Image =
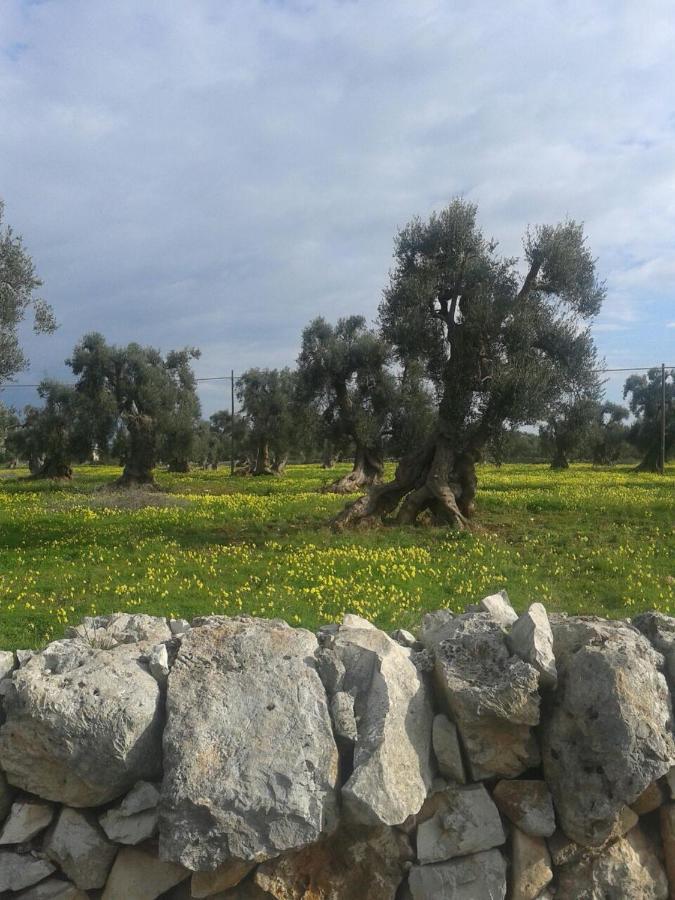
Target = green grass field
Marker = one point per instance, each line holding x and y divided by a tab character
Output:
582	541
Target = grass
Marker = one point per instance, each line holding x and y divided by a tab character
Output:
586	540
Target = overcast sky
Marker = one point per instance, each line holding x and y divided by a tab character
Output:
218	172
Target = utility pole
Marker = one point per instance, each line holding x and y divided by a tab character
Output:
232	422
663	418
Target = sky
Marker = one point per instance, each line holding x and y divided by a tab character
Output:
216	173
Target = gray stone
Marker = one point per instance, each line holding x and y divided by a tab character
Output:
478	877
527	804
250	762
106	632
531	869
23	656
446	747
179	626
466	822
498	606
670	781
393	713
21	870
6	796
135	819
206	884
340	867
650	799
405	638
158	663
531	639
342	716
607	732
140	875
26	819
628	869
80	848
660	632
53	889
491	695
83	725
7	663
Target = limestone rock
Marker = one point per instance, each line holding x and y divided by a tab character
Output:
628	868
80	848
342	716
82	724
205	884
135	819
447	750
7	663
6	795
650	799
466	822
531	639
353	863
405	638
139	874
667	821
53	889
498	606
26	819
106	632
530	866
178	626
660	632
527	804
21	870
250	762
392	706
491	695
158	663
478	877
607	732
670	781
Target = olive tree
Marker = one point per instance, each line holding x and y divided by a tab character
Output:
569	424
268	398
645	393
343	368
498	345
18	286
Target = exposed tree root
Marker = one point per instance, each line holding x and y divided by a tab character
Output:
367	471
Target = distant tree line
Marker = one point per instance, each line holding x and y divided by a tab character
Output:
472	352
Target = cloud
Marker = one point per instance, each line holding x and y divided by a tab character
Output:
217	174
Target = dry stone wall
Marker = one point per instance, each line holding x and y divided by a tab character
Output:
489	756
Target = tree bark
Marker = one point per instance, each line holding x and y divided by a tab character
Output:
367	471
178	465
140	460
651	461
328	456
437	479
279	464
263	463
560	460
55	468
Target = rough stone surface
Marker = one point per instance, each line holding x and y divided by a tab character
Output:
80	848
527	804
135	819
498	606
21	870
106	632
343	718
650	799
660	632
82	724
6	795
205	884
447	750
404	638
478	877
139	874
607	734
158	663
628	869
26	819
53	889
351	864
249	756
670	781
530	866
392	757
466	822
179	626
667	822
491	695
531	639
7	663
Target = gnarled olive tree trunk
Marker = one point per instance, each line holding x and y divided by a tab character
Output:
651	461
53	467
263	460
559	460
179	465
327	455
367	471
439	478
140	457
